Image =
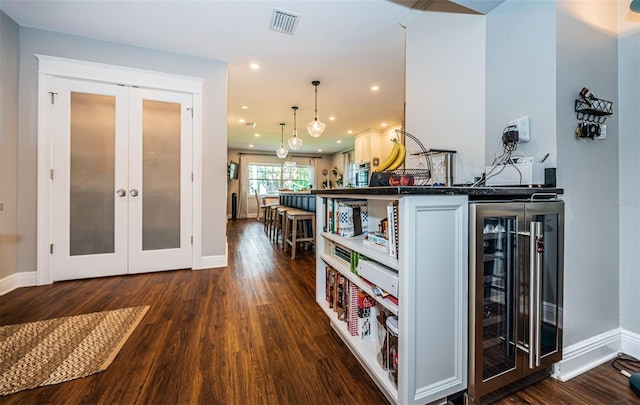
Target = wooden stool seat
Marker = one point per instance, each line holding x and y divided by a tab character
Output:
297	230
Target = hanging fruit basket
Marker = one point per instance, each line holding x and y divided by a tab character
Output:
419	176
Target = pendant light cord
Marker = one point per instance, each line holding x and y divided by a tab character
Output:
315	111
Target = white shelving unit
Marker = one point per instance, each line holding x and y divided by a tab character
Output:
432	301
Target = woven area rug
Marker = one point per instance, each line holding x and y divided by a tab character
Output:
56	350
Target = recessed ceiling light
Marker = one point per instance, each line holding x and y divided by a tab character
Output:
349	131
319	150
338	141
256	134
384	124
332	118
251	146
241	120
254	66
244	107
375	87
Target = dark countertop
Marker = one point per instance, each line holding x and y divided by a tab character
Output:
474	193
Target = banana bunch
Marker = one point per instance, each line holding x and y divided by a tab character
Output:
395	158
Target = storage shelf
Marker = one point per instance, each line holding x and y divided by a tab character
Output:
363	285
366	352
358	244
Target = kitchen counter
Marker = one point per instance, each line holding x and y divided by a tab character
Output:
474	193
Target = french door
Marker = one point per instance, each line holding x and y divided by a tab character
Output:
121	179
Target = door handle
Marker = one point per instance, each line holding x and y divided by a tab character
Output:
133	192
536	248
121	193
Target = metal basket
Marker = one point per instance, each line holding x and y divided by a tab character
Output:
421	177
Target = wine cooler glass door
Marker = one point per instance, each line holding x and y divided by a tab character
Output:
498	295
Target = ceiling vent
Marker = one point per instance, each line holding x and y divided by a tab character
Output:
284	21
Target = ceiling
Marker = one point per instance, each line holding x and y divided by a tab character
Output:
348	46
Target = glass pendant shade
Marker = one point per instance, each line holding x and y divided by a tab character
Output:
294	141
289	164
282	152
315	127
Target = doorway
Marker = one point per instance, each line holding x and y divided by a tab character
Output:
121	179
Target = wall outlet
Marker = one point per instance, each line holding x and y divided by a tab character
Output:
603	132
522	125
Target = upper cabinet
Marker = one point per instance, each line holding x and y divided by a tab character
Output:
367	147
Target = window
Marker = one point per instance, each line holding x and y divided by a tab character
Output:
269	178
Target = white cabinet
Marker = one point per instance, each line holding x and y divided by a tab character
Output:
433	292
368	146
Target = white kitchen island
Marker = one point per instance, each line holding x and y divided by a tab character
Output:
432	301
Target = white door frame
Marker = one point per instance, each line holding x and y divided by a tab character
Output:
51	67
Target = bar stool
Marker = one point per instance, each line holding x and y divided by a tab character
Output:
269	216
279	222
297	229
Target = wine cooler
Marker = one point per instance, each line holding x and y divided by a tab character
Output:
515	303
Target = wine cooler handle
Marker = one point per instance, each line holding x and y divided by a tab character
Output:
536	247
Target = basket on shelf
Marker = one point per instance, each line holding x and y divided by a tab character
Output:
412	177
593	110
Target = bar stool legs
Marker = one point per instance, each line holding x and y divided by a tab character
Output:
296	230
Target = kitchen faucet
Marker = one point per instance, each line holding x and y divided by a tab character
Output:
335	172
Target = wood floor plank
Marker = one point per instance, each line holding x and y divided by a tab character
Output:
250	333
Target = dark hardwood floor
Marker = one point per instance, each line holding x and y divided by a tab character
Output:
250	333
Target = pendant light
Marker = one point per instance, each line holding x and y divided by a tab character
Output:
294	141
315	127
282	152
289	164
635	6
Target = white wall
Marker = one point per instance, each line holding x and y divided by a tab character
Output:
214	128
445	92
9	66
628	109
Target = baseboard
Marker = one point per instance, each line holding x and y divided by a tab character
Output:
583	356
212	262
630	343
17	280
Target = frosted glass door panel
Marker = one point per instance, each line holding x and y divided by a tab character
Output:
92	162
160	175
160	180
89	216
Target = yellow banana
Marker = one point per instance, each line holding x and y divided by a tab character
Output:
390	159
399	160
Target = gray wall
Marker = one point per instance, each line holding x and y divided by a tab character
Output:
521	63
214	128
539	55
587	55
9	67
629	144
